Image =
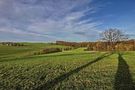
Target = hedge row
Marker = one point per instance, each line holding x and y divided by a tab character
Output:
48	50
12	44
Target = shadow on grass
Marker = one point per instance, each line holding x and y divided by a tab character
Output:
55	81
123	78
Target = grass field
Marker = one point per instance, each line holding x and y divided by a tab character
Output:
67	70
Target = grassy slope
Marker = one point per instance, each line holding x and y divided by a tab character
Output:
12	52
74	69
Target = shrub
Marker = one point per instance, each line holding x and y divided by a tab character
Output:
38	53
48	50
51	50
67	49
12	44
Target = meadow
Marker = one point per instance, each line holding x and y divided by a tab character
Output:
68	70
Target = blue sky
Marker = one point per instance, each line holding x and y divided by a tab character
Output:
70	20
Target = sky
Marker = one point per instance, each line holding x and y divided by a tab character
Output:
69	20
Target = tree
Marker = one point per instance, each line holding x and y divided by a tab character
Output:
112	36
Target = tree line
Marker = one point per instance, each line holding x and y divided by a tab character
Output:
11	44
101	45
110	40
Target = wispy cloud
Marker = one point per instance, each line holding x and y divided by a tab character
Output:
51	19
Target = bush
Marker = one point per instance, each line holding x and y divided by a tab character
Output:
51	50
37	53
48	50
67	49
12	44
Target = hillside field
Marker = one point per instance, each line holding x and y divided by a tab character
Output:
67	70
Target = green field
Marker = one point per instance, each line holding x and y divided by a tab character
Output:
68	70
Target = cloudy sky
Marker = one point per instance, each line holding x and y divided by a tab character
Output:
70	20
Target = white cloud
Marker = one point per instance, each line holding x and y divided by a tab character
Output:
48	18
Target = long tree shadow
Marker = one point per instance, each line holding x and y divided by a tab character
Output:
123	78
55	81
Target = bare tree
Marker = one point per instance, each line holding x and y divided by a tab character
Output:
112	36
